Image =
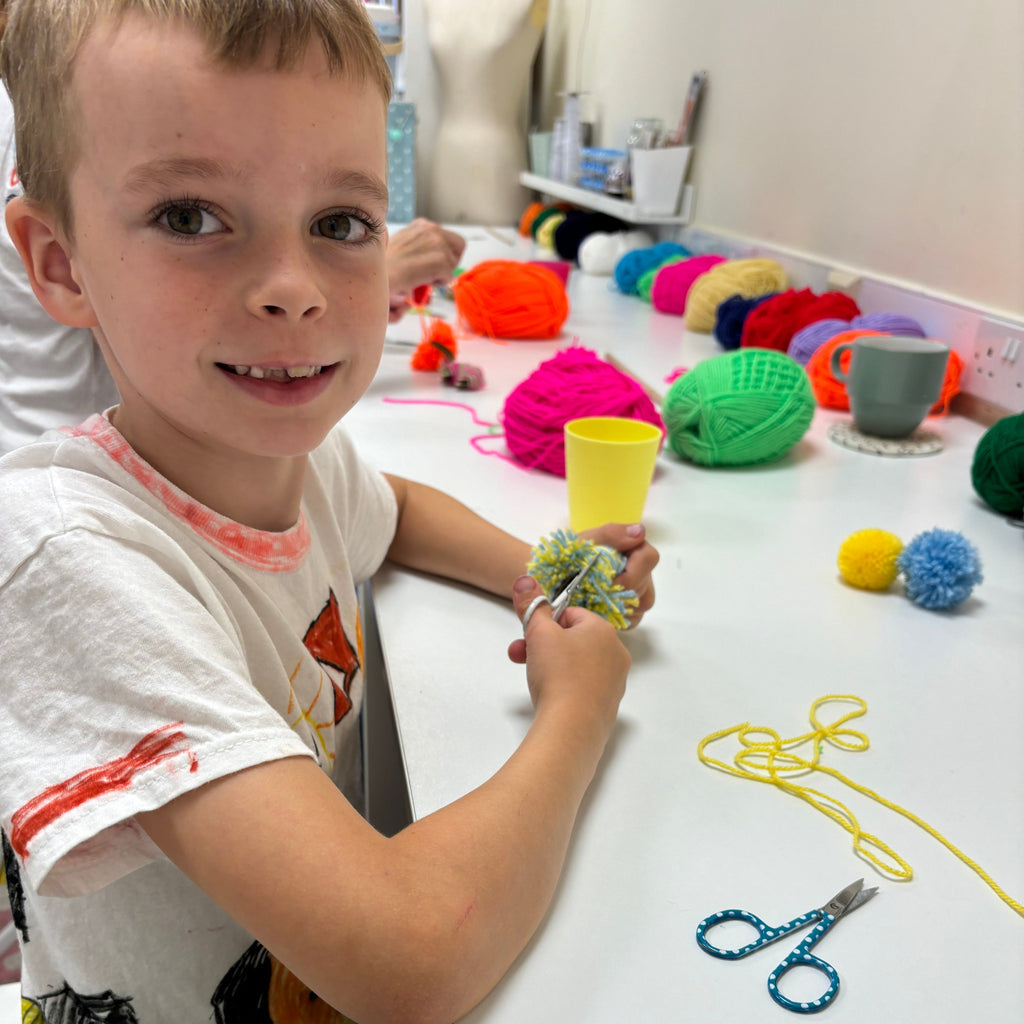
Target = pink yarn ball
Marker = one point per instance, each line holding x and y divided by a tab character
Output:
672	283
572	384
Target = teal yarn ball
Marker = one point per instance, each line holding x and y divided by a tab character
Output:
739	408
997	470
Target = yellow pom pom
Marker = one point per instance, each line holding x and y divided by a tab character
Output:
867	559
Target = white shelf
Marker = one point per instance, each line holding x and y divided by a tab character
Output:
621	208
382	13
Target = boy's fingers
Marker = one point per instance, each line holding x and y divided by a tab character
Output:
620	536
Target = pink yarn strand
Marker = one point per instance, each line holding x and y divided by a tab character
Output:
437	401
475	441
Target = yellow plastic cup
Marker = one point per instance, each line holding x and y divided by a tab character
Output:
609	462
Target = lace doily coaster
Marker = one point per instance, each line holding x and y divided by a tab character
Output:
920	442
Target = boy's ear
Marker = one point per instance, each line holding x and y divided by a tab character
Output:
46	253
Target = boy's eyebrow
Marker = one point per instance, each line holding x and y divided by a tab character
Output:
358	181
170	171
166	172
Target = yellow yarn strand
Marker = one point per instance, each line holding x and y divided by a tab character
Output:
765	757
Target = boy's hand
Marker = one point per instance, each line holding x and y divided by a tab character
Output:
641	558
579	658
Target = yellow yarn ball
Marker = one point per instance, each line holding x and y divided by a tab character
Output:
546	232
867	559
749	278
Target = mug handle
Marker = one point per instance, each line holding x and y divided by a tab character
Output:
837	370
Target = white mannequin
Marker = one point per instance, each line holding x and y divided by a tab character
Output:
483	51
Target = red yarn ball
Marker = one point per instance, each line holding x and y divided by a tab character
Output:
509	299
673	282
773	323
572	384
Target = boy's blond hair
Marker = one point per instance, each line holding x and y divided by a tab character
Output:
41	40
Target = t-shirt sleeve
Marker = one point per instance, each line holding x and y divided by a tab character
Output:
137	693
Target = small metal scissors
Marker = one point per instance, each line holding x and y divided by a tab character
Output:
850	898
564	595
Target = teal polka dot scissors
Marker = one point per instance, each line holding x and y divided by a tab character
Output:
853	896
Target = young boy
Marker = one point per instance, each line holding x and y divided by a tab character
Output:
205	190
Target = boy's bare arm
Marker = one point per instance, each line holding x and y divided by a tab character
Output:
420	926
439	535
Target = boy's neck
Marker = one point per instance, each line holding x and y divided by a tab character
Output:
261	493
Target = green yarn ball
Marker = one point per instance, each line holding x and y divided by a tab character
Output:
739	408
997	471
545	214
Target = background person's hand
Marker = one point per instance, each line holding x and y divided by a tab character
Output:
423	253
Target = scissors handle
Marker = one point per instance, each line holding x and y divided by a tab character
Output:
803	957
766	933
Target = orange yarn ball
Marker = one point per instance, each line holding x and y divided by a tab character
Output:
831	392
529	216
428	355
950	384
828	390
508	299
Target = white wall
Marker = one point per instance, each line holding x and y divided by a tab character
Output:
886	135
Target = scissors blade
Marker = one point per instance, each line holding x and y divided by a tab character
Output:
849	899
564	596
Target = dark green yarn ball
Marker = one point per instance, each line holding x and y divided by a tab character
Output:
997	471
739	408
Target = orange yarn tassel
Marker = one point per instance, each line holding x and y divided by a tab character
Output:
438	346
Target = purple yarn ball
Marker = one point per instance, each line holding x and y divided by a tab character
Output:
889	323
809	339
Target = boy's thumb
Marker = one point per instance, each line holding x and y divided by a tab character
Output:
527	598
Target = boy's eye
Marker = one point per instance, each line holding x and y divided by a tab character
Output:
190	220
341	228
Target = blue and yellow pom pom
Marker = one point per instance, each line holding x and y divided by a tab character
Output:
559	557
940	568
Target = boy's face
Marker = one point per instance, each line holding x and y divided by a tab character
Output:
224	220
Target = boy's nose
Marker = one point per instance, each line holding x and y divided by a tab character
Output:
286	287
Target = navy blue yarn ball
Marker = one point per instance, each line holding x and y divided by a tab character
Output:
731	315
635	263
940	569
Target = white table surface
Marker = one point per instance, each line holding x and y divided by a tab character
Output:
752	623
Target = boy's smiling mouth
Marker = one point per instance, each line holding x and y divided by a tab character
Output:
281	385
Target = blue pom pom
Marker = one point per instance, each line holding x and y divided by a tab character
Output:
940	568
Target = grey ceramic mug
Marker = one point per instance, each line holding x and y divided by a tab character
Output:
892	382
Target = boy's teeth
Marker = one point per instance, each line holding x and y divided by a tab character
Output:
276	372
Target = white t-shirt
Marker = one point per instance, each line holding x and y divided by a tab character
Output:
50	375
150	645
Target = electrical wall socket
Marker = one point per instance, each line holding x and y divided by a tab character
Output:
996	369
